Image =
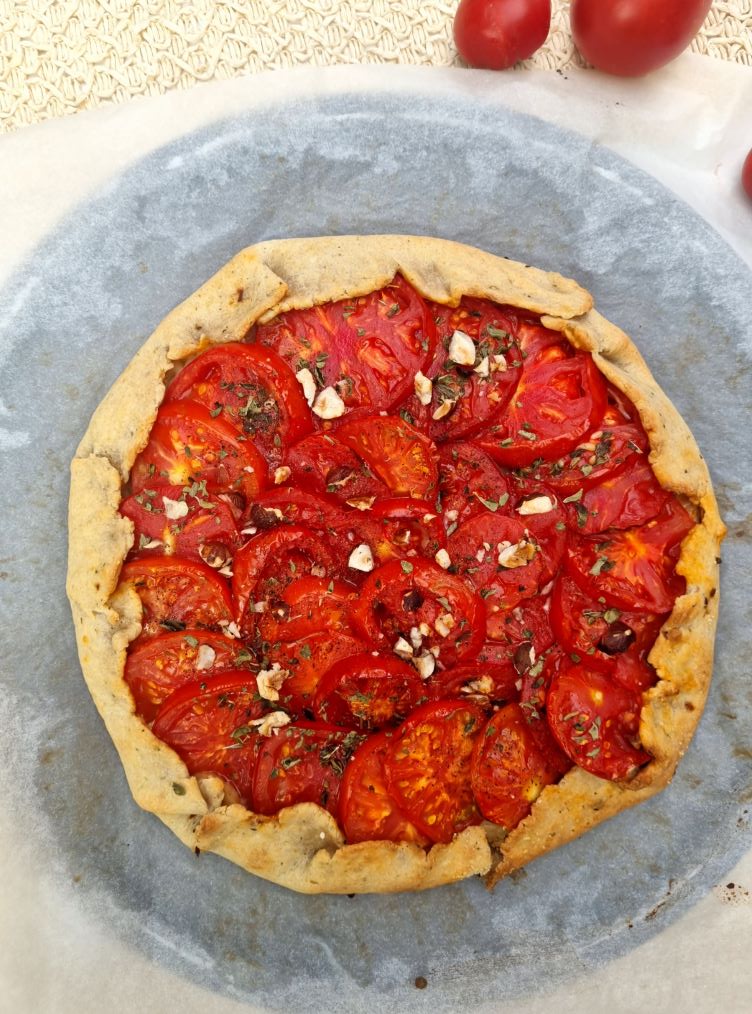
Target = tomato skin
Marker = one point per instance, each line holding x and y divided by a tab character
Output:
747	175
303	763
511	766
632	37
470	682
154	668
397	453
307	606
307	660
367	810
403	527
428	767
495	34
187	445
251	388
596	722
366	692
325	465
207	724
631	497
384	609
176	592
468	476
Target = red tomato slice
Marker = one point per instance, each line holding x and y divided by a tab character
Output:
528	623
208	723
548	527
157	666
428	767
303	763
270	561
177	593
470	482
596	631
367	692
207	532
187	445
629	498
307	660
478	398
633	672
596	722
478	682
402	595
250	387
322	464
403	528
368	347
536	680
307	606
559	399
476	550
511	766
634	569
394	451
298	507
367	810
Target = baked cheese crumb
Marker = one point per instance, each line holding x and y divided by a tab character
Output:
443	624
462	349
518	554
306	381
538	505
443	559
269	681
444	408
328	404
174	509
425	663
402	648
361	558
423	388
271	724
282	474
205	656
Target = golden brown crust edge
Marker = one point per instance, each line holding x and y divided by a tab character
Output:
302	848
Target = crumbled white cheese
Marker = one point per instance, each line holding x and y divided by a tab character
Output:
452	516
269	681
227	571
306	381
318	570
271	724
483	685
538	505
443	558
425	663
151	544
516	554
205	656
402	648
443	624
364	503
427	518
498	364
174	509
249	531
481	555
282	474
483	368
361	558
424	628
328	404
260	607
462	349
444	408
423	388
249	468
416	638
230	629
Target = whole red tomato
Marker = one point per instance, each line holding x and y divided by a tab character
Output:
633	37
747	175
497	33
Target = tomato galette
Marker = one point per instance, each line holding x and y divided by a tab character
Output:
391	564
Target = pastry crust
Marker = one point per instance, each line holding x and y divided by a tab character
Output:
302	848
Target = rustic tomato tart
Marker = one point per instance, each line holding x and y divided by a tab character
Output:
391	564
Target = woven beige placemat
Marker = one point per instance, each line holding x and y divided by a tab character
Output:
59	56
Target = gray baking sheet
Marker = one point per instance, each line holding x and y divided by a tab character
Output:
71	318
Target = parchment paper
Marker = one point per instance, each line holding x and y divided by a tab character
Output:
82	923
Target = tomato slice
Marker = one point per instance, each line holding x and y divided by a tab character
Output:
177	593
154	668
187	445
559	399
368	347
537	674
302	763
367	810
322	464
597	631
403	528
396	452
511	766
208	531
271	561
306	661
499	558
250	387
633	569
528	623
307	606
596	722
478	682
428	767
470	483
298	507
478	397
631	497
402	595
208	724
367	692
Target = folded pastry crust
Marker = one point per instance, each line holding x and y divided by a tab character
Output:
302	847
